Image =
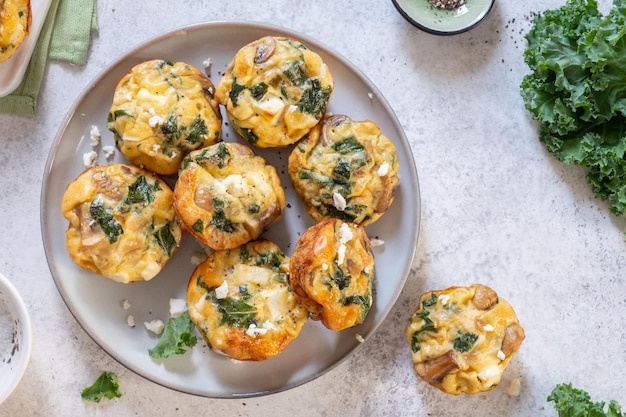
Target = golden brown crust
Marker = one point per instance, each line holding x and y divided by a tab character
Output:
161	111
241	302
226	195
462	338
15	22
121	222
332	271
345	169
275	90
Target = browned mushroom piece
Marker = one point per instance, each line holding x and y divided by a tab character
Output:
330	122
513	337
265	50
484	298
434	370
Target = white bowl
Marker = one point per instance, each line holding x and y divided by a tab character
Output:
15	338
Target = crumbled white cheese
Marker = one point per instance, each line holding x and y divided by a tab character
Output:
155	326
341	254
269	325
488	328
254	331
366	270
222	291
445	299
109	151
197	258
345	233
94	135
126	304
501	355
370	96
89	159
339	202
156	147
177	307
155	121
489	376
514	388
324	267
359	338
207	66
130	320
383	169
377	242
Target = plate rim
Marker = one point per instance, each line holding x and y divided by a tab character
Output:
202	26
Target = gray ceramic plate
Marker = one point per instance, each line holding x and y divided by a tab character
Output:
96	302
444	22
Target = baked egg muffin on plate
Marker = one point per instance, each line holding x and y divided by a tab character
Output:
241	301
462	338
275	90
15	22
226	195
332	271
345	169
122	223
161	111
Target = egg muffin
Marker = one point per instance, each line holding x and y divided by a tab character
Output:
161	111
241	302
15	21
332	271
275	90
462	338
226	195
122	224
345	169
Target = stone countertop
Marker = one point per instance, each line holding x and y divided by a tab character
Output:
497	208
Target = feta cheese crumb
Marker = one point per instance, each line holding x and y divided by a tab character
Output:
89	159
130	320
345	234
359	338
177	307
126	305
501	355
370	96
254	331
94	135
155	326
222	291
268	325
156	147
377	242
207	66
339	202
383	169
445	299
324	267
341	254
514	388
155	121
109	151
488	328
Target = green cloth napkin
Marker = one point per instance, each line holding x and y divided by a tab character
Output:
65	36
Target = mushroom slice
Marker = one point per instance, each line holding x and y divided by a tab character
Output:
513	337
265	50
434	370
330	122
484	297
106	186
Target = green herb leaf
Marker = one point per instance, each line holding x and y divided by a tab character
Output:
165	238
235	312
177	335
105	386
103	215
574	402
197	131
464	341
140	192
314	98
348	145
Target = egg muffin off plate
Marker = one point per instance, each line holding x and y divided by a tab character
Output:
309	349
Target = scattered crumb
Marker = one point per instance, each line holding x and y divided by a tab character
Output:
377	242
155	326
359	338
370	96
207	66
130	320
177	307
109	151
126	304
89	159
197	258
514	388
94	135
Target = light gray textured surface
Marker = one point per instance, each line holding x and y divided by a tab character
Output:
496	209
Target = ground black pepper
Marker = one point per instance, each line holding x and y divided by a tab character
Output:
446	4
